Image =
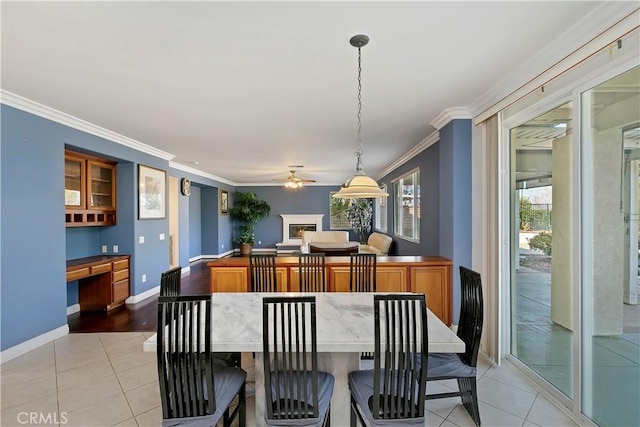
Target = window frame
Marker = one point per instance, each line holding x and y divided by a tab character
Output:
398	184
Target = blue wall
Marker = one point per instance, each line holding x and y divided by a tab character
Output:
33	285
455	210
427	161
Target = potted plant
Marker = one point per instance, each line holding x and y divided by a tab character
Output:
248	209
360	214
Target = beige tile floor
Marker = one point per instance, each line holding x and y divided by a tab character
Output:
105	379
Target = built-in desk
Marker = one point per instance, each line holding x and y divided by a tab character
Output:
103	281
428	275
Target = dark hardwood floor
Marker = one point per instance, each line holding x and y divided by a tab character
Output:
140	317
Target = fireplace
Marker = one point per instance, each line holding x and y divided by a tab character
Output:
296	230
294	225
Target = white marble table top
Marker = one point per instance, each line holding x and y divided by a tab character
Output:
344	324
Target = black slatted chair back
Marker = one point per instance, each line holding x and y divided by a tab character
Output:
362	272
311	269
184	356
170	282
400	356
290	357
262	269
471	314
394	392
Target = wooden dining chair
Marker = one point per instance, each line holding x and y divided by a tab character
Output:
262	270
192	391
462	366
311	269
170	282
362	272
296	392
394	391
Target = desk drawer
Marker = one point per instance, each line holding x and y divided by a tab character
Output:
121	265
120	275
101	268
77	274
121	290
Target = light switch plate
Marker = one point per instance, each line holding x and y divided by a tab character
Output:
161	236
104	249
141	239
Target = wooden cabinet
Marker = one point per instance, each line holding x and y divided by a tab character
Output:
428	275
432	281
237	279
103	281
388	278
89	190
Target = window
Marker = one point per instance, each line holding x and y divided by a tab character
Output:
338	219
406	191
381	212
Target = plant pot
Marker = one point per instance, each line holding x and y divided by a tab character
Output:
245	248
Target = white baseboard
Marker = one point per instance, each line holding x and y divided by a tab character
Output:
73	309
185	270
143	296
33	343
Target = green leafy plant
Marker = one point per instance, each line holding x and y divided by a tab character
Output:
248	209
360	214
541	242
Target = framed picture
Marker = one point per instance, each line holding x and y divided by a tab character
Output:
152	184
224	202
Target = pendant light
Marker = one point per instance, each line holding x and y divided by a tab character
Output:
360	186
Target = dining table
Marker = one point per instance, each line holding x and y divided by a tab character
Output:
345	329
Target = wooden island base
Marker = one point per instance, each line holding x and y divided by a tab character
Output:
428	275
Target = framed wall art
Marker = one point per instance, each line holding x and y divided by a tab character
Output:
224	202
152	184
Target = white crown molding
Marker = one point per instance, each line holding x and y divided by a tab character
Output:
33	343
453	113
194	171
24	104
588	28
420	147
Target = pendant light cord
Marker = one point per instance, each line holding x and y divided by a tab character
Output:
359	151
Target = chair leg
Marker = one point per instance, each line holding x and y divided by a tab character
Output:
353	415
328	420
242	401
469	397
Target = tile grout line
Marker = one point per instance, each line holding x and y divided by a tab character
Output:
124	395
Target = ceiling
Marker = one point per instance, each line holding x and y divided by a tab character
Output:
242	90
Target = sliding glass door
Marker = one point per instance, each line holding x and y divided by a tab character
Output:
610	142
541	246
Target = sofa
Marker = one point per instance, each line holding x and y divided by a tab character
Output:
378	244
325	239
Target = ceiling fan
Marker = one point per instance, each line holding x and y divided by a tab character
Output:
293	181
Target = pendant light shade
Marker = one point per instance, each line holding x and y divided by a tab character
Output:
360	186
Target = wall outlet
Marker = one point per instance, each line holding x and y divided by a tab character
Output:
104	249
259	242
161	236
222	246
144	278
115	249
141	239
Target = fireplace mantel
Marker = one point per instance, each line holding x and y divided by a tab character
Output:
298	219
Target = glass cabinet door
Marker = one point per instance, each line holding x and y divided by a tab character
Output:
101	186
74	190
